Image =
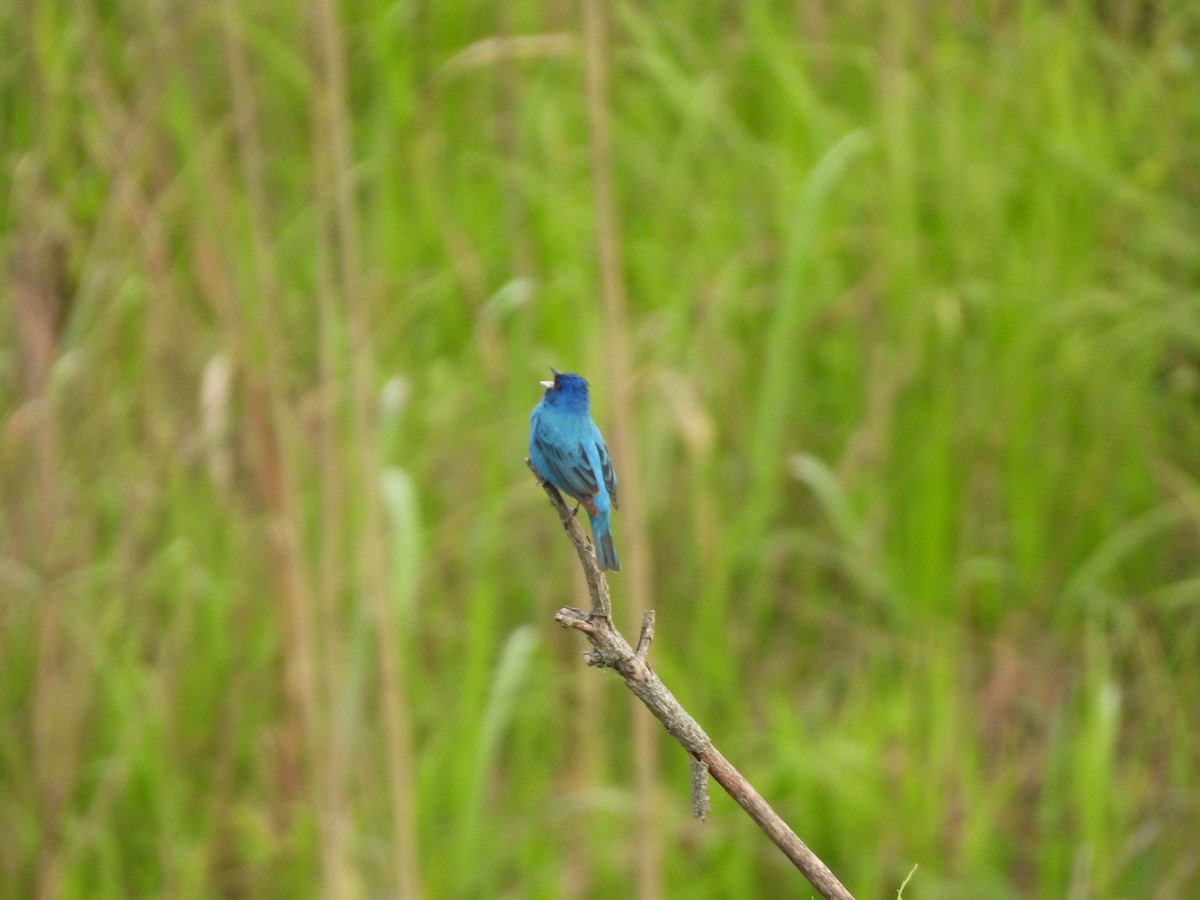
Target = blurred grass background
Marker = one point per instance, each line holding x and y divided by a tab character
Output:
907	349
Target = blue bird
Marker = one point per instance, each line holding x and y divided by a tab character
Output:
567	450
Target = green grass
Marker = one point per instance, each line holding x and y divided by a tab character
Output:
915	326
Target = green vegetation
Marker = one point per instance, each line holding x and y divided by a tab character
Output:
914	321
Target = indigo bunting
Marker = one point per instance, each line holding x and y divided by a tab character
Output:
567	450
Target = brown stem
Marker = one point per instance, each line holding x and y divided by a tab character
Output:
611	650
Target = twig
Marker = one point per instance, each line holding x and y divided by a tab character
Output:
647	634
611	650
699	774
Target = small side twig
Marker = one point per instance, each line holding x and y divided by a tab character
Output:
699	774
611	650
570	617
647	635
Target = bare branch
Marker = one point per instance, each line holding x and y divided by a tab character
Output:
597	586
611	650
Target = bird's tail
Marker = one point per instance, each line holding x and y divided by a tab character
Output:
605	554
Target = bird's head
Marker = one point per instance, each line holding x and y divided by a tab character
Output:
566	389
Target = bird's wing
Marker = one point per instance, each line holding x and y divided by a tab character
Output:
569	469
606	468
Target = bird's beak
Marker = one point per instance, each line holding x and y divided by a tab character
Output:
546	384
550	384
